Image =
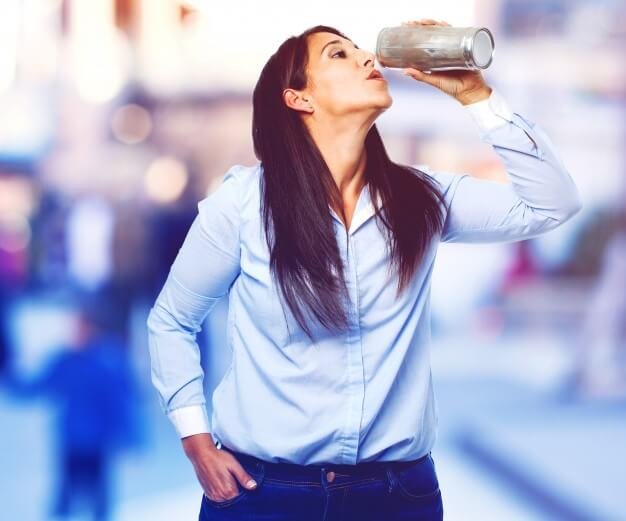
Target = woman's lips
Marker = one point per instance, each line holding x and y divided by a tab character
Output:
375	75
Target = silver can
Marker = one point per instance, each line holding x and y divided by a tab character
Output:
435	47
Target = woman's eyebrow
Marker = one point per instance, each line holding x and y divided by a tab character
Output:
335	41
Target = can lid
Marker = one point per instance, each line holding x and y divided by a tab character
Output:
482	48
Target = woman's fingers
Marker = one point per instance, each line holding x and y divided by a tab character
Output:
423	21
416	74
427	21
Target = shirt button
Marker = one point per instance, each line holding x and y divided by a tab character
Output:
330	476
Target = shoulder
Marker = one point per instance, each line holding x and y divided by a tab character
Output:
245	174
234	189
242	177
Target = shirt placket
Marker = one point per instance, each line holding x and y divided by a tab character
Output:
355	384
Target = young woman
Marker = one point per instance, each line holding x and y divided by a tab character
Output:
325	249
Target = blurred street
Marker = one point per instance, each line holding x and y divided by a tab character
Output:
120	116
511	445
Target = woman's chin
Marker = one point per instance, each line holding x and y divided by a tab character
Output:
387	101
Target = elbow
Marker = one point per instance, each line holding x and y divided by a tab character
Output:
152	321
574	206
567	209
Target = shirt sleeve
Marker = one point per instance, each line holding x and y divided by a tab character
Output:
490	113
540	196
203	271
190	420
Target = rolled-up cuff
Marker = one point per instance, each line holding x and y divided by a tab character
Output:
490	113
190	420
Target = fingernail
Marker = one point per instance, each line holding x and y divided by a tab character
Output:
251	484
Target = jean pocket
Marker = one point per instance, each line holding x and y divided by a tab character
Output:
226	502
257	474
417	482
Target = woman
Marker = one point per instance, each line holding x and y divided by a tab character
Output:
325	249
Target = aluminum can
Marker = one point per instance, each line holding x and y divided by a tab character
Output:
435	47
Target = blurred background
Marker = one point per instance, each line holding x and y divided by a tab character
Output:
118	116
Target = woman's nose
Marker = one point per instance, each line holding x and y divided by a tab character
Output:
368	56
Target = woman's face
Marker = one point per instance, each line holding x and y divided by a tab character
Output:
337	74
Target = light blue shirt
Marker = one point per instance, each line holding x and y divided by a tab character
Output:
366	394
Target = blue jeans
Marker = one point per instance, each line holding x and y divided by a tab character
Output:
368	491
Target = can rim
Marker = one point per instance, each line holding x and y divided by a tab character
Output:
471	49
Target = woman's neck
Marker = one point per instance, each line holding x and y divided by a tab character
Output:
343	148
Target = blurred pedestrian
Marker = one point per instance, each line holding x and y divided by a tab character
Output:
600	364
90	384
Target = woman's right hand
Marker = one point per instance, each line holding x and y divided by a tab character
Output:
466	86
217	470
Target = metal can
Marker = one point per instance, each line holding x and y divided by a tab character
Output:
435	47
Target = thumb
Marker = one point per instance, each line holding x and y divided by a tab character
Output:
246	480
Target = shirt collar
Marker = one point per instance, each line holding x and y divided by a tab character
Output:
362	213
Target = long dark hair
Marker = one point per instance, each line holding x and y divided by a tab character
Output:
297	188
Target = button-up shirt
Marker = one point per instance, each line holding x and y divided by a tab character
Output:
364	394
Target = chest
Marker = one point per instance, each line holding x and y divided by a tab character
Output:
370	281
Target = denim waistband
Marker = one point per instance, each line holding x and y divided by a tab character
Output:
312	472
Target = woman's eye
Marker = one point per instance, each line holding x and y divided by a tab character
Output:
338	52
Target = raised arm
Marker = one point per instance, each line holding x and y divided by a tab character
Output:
540	196
204	269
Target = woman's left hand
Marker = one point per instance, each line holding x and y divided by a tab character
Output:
464	85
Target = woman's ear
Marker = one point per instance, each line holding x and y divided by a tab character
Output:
295	100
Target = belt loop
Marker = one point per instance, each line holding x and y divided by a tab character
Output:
391	478
323	478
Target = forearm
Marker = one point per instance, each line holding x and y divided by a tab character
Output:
532	162
535	169
176	372
541	195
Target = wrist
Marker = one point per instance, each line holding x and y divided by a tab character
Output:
474	96
198	443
